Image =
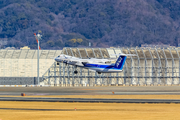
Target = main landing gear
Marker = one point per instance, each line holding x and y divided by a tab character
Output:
99	72
75	72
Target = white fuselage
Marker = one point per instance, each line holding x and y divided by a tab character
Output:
97	65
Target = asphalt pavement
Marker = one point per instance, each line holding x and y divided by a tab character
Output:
91	100
128	90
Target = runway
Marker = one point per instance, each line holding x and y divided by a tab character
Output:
128	90
89	100
7	92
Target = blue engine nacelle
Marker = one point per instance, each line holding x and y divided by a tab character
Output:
64	61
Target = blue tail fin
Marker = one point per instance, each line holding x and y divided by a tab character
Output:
120	62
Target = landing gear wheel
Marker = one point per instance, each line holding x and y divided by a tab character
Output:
75	72
99	72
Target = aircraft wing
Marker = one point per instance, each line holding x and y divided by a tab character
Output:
75	60
85	61
97	60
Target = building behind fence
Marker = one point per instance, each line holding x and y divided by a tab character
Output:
151	66
19	67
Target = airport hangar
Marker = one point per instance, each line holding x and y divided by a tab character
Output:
151	66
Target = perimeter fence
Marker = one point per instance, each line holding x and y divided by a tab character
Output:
149	67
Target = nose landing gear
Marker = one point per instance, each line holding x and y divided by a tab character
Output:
75	72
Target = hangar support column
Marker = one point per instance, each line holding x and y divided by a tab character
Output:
132	77
166	66
125	71
138	65
159	67
173	65
145	67
152	67
60	67
109	75
179	65
55	82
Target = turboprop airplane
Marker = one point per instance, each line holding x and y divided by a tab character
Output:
93	64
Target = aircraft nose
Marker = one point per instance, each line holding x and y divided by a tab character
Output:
56	59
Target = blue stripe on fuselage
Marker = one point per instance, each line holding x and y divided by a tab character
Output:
100	66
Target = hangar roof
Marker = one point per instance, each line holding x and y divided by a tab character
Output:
28	54
142	53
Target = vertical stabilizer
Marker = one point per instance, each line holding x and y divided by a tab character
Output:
120	62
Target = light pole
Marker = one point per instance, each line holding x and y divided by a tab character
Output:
38	37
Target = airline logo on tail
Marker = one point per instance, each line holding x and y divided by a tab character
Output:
120	62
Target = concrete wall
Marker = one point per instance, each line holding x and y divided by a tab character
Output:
23	63
19	80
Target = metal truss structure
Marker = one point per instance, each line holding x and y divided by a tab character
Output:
151	66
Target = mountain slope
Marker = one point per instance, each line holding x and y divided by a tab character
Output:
105	23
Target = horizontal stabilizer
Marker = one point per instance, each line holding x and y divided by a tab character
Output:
92	70
121	54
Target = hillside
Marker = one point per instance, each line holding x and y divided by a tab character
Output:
105	23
